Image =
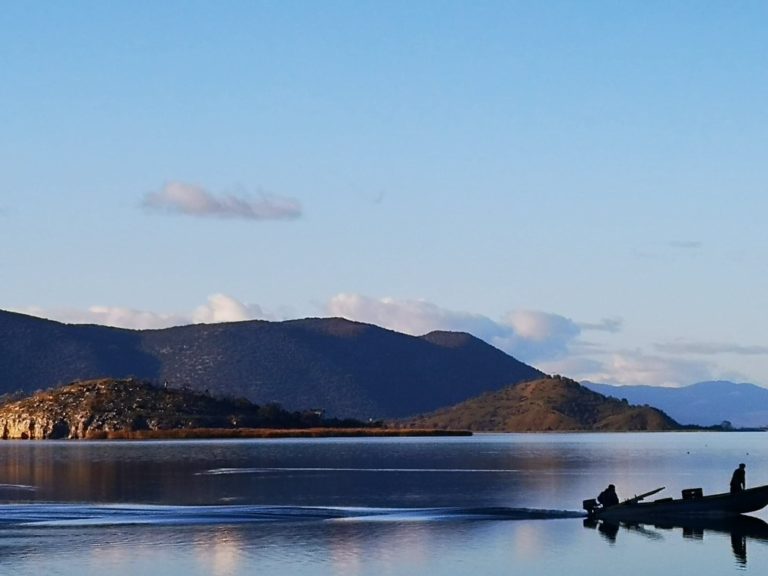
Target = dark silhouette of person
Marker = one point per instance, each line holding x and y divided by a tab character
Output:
739	546
608	497
739	479
608	530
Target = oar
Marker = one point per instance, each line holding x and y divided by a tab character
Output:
642	496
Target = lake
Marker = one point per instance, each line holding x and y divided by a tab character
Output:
486	504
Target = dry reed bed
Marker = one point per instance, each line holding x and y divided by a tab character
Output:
223	433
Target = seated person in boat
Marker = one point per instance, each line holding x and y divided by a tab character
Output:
608	497
739	479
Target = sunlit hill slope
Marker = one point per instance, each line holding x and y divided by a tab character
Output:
546	404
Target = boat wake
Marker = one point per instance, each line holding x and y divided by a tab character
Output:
272	469
119	514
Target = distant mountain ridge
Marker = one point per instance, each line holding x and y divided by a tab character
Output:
546	404
346	368
704	404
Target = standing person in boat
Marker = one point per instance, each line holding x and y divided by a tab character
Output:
739	479
608	497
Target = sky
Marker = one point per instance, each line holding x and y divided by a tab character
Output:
582	184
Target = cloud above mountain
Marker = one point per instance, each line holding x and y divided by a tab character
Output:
414	317
528	335
551	342
116	316
217	308
632	367
223	308
193	200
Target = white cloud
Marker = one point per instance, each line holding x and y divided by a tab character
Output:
193	200
527	335
538	335
552	343
128	318
636	367
115	316
218	308
223	308
414	317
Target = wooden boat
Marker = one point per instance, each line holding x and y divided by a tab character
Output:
693	504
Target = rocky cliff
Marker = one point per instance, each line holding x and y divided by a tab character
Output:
93	408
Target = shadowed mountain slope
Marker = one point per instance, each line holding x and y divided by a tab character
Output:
347	368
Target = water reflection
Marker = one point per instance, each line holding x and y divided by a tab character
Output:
220	551
740	529
362	507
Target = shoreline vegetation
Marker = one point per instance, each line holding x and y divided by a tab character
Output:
267	433
110	409
278	433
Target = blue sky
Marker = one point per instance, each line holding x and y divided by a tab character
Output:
582	184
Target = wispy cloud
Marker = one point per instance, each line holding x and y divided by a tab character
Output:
669	250
633	367
193	200
711	348
611	325
685	244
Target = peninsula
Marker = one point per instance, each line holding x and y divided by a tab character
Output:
136	409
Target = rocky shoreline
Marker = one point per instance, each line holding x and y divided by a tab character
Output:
134	409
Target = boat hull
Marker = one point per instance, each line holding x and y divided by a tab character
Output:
714	506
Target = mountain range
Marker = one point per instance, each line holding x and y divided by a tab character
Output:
348	369
345	368
703	404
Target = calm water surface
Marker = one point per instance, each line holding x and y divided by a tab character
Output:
488	504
